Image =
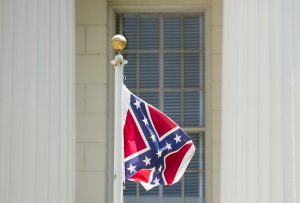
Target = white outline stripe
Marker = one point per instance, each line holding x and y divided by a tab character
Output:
149	116
148	186
184	162
167	133
143	137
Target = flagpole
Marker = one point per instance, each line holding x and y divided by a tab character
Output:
118	43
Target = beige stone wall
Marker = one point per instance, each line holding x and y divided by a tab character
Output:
92	67
91	102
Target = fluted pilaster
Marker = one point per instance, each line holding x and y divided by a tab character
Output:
261	102
37	101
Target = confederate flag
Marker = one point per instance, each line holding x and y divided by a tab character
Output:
156	150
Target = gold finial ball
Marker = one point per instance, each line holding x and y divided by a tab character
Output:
118	42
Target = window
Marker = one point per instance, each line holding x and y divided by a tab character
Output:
166	68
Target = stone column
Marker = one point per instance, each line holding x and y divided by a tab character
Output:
261	102
37	135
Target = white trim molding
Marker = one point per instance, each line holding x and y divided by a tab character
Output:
179	8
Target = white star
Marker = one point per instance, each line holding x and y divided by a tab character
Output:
131	168
156	181
145	121
147	161
168	146
153	137
177	138
137	103
159	153
159	169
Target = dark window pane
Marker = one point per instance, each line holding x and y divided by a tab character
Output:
119	26
192	109
129	30
172	32
172	194
197	162
149	64
151	196
192	75
151	98
172	70
130	192
191	184
201	32
192	188
172	106
130	70
191	32
202	113
149	32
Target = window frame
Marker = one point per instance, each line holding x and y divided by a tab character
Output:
177	9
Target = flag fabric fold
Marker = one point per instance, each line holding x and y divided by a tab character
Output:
156	150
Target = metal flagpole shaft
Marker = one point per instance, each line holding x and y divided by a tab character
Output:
118	43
